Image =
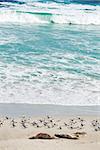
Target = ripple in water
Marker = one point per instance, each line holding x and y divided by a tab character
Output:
49	63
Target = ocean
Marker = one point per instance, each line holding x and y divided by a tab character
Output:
50	52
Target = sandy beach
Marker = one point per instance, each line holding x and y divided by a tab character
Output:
49	74
82	132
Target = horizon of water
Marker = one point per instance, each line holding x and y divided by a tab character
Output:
50	52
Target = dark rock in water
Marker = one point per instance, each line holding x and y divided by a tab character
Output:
70	23
67	136
52	21
42	136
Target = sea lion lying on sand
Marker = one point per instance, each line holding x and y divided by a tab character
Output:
42	136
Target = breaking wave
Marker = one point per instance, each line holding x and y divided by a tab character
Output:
49	64
38	12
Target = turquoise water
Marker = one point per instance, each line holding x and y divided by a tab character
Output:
48	58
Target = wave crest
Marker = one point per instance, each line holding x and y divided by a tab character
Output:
37	12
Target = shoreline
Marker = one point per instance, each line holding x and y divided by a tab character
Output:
16	109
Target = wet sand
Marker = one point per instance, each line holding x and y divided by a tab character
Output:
45	109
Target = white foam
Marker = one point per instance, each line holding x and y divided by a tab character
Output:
32	84
84	19
24	84
61	14
13	17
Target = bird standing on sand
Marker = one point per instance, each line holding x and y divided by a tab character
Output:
13	123
23	123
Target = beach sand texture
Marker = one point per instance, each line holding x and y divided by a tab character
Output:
15	133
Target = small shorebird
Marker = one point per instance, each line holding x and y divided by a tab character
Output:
48	117
34	123
23	123
1	123
13	123
60	128
7	118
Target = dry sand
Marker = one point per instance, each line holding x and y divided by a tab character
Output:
15	133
